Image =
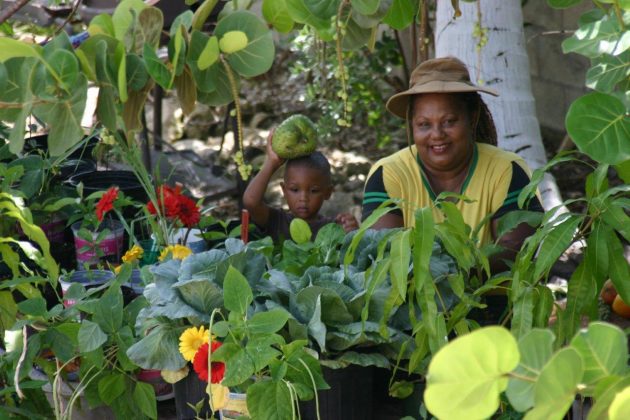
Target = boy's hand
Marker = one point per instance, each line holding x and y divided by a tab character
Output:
274	160
347	222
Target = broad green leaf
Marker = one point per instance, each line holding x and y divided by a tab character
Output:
156	68
269	400
159	349
109	310
239	367
555	243
10	48
221	93
256	58
512	219
400	256
597	250
544	306
523	308
210	53
316	327
596	38
598	125
122	18
184	19
277	15
237	294
618	268
111	387
186	91
366	7
177	54
200	293
120	58
151	22
557	385
536	348
582	290
201	14
620	406
301	14
607	71
423	237
605	393
91	337
8	311
66	66
144	398
133	107
364	359
64	118
267	322
261	350
604	351
325	9
356	36
467	376
102	24
233	41
615	217
300	231
623	170
34	306
401	14
137	75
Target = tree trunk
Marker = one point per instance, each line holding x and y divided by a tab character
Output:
501	64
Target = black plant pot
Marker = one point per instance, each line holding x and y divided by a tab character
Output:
40	142
349	396
126	181
190	390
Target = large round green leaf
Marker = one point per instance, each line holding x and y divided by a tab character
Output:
277	15
300	13
373	19
467	376
536	348
366	7
324	9
256	58
620	407
222	93
604	350
356	36
600	127
607	71
557	385
400	14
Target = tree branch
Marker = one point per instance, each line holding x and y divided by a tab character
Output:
11	10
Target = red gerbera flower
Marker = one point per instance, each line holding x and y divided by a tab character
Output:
168	201
188	211
200	364
106	203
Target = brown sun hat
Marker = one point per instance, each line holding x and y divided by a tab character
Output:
438	75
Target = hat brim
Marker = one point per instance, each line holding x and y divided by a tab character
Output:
398	103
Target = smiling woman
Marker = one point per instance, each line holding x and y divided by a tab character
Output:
453	151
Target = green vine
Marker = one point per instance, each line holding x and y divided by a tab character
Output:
244	169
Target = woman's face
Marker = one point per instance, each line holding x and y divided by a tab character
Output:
442	131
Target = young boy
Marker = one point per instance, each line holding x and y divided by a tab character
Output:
307	184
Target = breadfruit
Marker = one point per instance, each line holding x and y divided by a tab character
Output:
296	136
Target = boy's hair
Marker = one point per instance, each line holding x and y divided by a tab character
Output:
315	160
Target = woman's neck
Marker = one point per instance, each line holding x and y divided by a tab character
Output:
451	180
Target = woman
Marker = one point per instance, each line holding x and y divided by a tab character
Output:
454	151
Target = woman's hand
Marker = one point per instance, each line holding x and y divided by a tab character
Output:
347	221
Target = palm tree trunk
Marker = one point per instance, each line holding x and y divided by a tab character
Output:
502	63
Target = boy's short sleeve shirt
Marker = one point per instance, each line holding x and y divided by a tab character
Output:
280	220
494	182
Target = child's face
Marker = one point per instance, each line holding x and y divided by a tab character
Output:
305	190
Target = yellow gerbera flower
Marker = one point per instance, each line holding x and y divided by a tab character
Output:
191	340
134	254
178	252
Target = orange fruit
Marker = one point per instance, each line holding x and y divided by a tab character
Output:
620	307
608	292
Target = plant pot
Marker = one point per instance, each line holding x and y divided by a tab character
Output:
191	390
126	181
88	278
40	142
133	288
72	167
111	246
236	407
349	396
163	390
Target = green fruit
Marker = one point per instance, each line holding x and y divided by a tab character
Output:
296	136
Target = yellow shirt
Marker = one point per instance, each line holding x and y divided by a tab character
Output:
494	181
